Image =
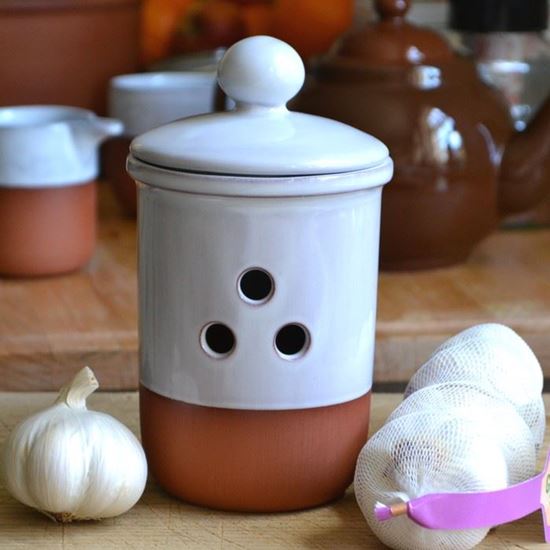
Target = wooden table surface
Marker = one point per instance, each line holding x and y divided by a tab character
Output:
50	327
160	522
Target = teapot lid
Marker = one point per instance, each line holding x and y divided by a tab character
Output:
260	136
394	42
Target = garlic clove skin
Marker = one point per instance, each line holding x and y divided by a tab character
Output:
72	463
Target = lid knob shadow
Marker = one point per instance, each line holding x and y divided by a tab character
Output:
261	71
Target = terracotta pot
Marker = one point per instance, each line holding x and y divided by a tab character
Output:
261	461
46	231
258	266
47	187
65	51
459	167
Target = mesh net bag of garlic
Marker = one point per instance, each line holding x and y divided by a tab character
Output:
472	420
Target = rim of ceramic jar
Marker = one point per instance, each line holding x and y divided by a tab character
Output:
260	186
159	81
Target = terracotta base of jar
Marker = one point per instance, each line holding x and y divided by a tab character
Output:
254	461
114	155
46	231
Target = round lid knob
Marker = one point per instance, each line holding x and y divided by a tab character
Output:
260	137
388	9
262	71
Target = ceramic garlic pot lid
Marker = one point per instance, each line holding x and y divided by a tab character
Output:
260	137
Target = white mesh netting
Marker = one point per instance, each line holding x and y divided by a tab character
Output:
495	356
460	428
508	429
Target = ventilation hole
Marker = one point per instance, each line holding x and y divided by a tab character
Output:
256	286
292	341
217	340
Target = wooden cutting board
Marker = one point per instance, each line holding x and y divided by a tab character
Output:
51	327
160	522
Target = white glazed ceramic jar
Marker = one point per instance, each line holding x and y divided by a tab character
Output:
258	248
48	167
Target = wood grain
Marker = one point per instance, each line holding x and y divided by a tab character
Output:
51	327
160	522
506	280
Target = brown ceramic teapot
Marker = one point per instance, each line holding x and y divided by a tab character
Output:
459	166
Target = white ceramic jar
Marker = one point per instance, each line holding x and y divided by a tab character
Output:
258	247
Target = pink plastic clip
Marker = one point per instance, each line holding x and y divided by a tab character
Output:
453	511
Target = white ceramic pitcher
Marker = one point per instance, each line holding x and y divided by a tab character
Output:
50	145
48	167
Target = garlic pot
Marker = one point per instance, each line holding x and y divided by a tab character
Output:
258	260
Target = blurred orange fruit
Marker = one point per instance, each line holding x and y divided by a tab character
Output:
209	25
310	26
159	22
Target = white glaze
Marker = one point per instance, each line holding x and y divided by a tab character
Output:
322	253
144	101
315	232
260	136
262	142
256	186
50	145
261	71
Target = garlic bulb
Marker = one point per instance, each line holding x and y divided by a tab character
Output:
71	463
471	420
422	453
494	356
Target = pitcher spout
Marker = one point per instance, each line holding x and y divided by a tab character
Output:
101	128
88	134
525	168
91	131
